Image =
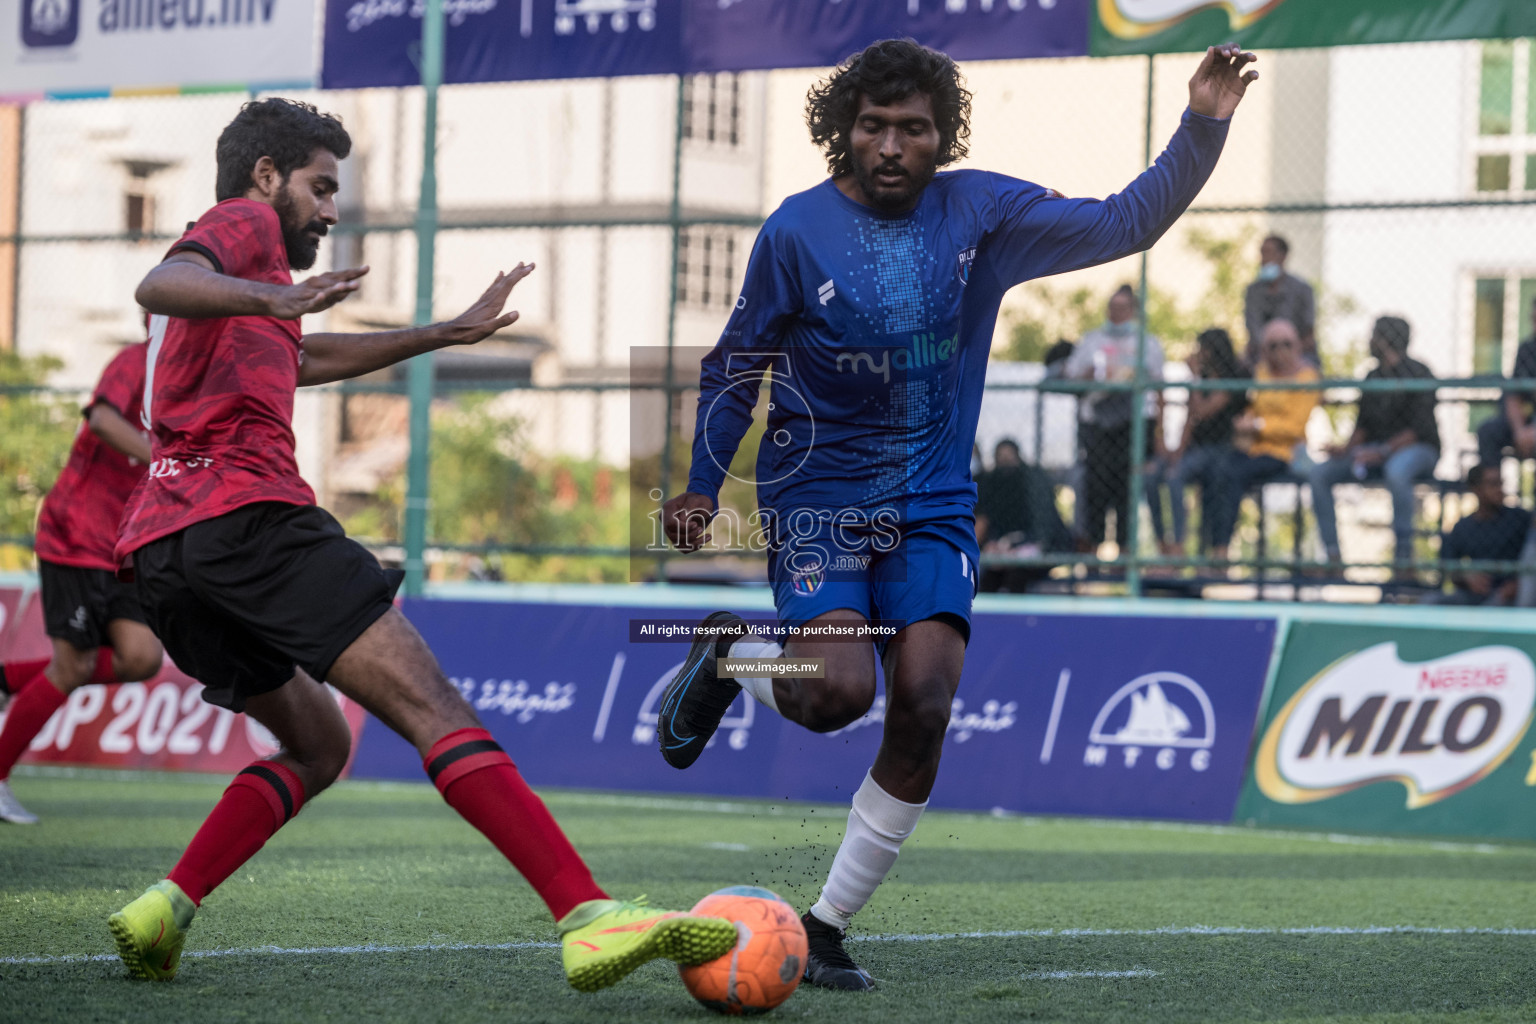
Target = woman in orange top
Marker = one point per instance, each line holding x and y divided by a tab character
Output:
1274	427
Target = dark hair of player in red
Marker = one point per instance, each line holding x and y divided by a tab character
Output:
887	72
286	130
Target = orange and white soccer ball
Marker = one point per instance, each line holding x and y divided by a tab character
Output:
769	958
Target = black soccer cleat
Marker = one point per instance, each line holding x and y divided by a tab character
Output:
696	699
827	964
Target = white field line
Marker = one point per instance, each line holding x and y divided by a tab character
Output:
1067	975
1042	933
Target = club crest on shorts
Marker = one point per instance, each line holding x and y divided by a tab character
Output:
807	583
963	261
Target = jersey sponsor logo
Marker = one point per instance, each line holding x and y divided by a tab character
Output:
1136	19
1165	712
826	292
963	261
1437	726
924	350
49	22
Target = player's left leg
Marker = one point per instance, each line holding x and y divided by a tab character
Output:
930	585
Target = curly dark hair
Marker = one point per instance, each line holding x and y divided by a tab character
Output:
887	72
286	130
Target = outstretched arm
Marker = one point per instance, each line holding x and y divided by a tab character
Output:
333	357
188	285
1039	233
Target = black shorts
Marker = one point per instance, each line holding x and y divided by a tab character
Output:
78	603
242	599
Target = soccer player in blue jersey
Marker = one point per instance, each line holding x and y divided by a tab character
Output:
869	303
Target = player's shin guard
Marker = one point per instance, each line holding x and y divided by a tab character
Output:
479	780
260	800
877	826
25	717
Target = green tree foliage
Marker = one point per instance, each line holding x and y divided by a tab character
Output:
488	489
36	430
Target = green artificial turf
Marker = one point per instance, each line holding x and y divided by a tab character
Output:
384	865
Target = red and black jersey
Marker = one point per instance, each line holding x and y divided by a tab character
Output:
219	393
80	515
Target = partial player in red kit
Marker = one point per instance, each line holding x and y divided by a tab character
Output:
260	596
93	619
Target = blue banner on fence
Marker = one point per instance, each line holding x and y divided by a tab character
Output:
1050	718
376	42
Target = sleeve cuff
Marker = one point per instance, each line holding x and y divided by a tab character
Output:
201	250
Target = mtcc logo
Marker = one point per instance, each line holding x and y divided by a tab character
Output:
735	727
1162	717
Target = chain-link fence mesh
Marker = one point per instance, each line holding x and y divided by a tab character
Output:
550	443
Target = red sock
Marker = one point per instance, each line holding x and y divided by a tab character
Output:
28	712
15	675
260	800
479	780
104	673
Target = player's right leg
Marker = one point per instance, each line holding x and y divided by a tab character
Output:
390	671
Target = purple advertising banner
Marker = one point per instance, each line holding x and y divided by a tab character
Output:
1126	716
372	43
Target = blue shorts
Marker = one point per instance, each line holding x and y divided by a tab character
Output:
910	573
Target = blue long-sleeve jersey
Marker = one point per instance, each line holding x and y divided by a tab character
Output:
876	328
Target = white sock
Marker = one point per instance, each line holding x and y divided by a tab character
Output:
877	826
760	687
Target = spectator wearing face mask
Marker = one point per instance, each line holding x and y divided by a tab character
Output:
1108	353
1277	295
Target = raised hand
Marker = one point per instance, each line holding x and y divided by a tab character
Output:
485	317
1219	82
314	294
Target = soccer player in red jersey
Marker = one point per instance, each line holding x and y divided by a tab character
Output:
93	619
260	596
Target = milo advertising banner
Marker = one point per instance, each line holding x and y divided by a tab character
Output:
1399	730
1171	26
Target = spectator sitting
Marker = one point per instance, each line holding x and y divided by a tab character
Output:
1016	514
1277	295
1108	353
1273	431
1515	424
1395	440
1494	533
1204	451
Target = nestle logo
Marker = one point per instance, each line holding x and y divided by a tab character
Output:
49	22
1464	677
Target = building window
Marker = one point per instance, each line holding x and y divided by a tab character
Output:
1501	317
706	268
139	197
712	108
1505	152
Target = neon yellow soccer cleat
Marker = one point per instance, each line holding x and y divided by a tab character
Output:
150	930
604	940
